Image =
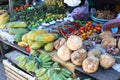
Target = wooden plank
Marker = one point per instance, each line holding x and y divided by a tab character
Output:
26	75
13	76
15	46
103	74
14	73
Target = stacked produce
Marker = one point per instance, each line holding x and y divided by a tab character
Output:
37	15
43	67
35	62
36	39
75	28
4	17
72	49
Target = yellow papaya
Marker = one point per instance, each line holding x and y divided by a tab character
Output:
36	45
46	38
32	34
24	38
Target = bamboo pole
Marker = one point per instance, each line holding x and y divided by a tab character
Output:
11	7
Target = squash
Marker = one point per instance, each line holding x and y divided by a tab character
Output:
46	38
78	56
95	52
90	64
106	61
58	43
64	53
74	42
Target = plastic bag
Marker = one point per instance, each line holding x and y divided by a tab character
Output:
82	12
72	3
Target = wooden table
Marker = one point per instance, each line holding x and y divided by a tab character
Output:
101	74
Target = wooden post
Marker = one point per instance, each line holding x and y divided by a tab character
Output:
11	7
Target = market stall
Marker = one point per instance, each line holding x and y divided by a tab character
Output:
60	40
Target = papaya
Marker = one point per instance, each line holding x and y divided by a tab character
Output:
36	45
49	47
18	37
16	24
46	38
32	34
30	42
24	38
18	30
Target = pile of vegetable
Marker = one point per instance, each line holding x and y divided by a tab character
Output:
74	50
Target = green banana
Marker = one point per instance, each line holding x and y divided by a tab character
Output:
21	58
42	55
62	75
45	57
47	63
46	60
66	71
35	67
29	66
22	64
41	72
50	72
58	77
44	77
66	75
46	66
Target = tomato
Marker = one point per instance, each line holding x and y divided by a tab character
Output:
89	22
28	49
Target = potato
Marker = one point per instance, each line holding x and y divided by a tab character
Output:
64	53
95	53
105	34
78	56
109	41
74	42
58	43
106	61
90	64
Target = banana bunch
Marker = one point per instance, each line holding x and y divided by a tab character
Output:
57	73
22	61
31	62
46	60
42	74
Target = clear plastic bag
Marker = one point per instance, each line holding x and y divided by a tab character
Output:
82	12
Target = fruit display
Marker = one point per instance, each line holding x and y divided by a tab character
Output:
4	17
44	32
75	28
36	15
37	39
33	63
